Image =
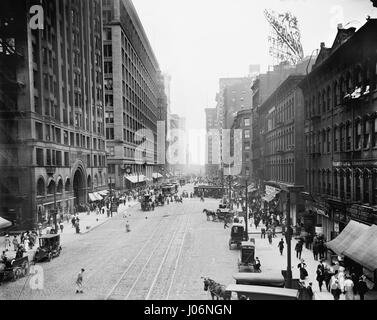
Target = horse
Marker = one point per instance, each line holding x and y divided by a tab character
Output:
215	289
209	214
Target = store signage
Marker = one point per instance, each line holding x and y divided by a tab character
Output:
271	190
361	213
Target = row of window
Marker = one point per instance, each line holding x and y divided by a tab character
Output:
332	95
364	136
349	184
281	140
281	170
54	134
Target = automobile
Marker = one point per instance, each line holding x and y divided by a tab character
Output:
249	292
49	247
246	260
13	269
237	233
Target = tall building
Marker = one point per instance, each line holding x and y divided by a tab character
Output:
242	121
341	132
212	160
133	92
177	150
51	109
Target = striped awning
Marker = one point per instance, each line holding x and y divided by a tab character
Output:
4	223
92	197
347	237
363	249
135	178
156	175
103	192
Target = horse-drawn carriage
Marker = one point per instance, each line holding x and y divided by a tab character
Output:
49	247
146	203
237	235
246	261
13	269
219	216
160	200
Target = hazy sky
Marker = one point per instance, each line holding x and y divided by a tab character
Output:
199	41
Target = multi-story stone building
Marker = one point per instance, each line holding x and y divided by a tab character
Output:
282	146
212	164
242	121
51	109
340	96
132	92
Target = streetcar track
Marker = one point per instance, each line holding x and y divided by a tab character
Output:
132	262
164	258
136	257
150	257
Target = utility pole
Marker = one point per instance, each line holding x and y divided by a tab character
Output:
55	210
247	228
288	240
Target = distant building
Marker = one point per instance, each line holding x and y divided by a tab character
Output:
212	163
242	121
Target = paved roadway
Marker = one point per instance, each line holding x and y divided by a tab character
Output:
163	257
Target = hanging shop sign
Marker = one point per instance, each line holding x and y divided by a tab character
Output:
361	213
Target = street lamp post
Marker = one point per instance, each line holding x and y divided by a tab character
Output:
246	220
288	240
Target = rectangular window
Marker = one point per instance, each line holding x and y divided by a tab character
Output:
247	134
366	140
110	133
40	158
48	157
246	122
66	159
39	131
107	50
59	158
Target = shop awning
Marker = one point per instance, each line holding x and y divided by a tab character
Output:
156	175
135	178
103	192
363	249
270	196
92	197
4	223
97	195
347	237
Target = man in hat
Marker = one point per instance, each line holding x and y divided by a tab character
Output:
79	281
309	290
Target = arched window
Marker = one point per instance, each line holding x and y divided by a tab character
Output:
335	95
319	101
357	185
336	187
51	187
336	138
341	184
374	187
328	98
328	143
41	187
59	188
366	132
341	137
67	185
358	134
96	180
366	177
328	173
348	184
348	135
324	181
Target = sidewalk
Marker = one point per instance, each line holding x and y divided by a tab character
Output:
272	261
87	224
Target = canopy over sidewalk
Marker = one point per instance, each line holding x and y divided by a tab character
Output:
347	237
4	223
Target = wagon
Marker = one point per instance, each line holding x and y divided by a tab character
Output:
236	235
246	260
13	269
49	247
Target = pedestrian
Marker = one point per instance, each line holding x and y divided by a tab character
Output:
26	243
315	250
302	267
281	246
362	287
15	243
73	221
321	249
335	289
61	225
269	236
257	265
79	281
320	277
274	231
77	226
348	288
309	290
7	242
298	249
327	278
263	233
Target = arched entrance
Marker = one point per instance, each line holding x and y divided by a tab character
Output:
79	187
